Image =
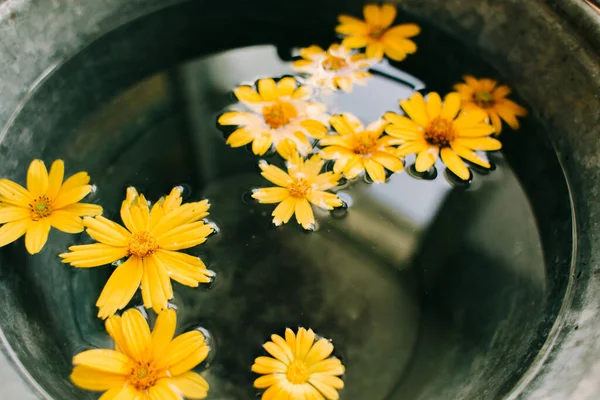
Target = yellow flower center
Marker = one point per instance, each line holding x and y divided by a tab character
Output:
377	32
143	376
297	372
300	189
440	132
364	144
483	99
40	208
142	244
333	63
279	114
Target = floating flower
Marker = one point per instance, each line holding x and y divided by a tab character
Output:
302	185
486	95
144	365
47	201
333	69
150	241
433	129
356	149
280	115
301	368
376	35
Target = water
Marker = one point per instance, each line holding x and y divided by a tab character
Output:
427	287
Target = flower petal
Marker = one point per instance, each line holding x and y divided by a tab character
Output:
327	379
55	179
342	125
190	385
93	255
426	159
398	49
162	391
415	108
319	351
469	155
469	118
136	333
104	361
12	213
98	381
403	31
261	144
125	393
240	137
152	286
275	175
114	327
106	231
71	196
37	178
119	289
434	105
375	170
37	235
65	221
271	195
331	366
184	268
374	50
79	179
324	200
451	106
235	118
304	341
267	89
416	146
185	352
268	365
455	164
246	93
83	209
286	86
328	391
304	214
15	194
163	332
284	211
486	143
185	236
354	42
389	161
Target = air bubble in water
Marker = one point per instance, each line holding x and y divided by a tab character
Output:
339	212
213	225
248	199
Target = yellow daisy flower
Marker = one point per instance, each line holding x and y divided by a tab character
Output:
433	128
47	201
356	148
335	68
376	35
280	116
144	365
301	368
302	185
485	94
149	240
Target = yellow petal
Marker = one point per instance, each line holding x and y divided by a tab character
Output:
496	122
261	144
152	286
163	332
280	353
114	327
354	42
375	50
103	360
268	365
304	341
470	118
37	178
387	15
267	89
79	179
412	147
415	108
304	214
57	174
375	170
71	196
267	380
173	200
327	379
126	216
12	213
107	231
83	209
508	116
136	333
15	194
187	213
246	93
434	105
37	235
451	106
284	211
119	289
190	385
185	352
341	125
478	130
240	137
125	393
184	268
140	213
235	118
469	155
275	175
278	392
398	49
65	221
286	86
98	381
329	392
389	161
162	391
400	121
486	143
426	159
93	255
319	351
331	366
286	148
311	52
403	31
185	236
455	164
302	92
315	128
324	200
271	195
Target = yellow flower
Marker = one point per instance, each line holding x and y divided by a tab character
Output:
301	185
336	68
149	240
301	368
144	365
486	95
47	201
280	115
357	149
433	129
376	35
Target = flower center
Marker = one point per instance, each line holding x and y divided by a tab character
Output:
377	32
300	189
297	372
143	376
364	145
279	114
483	99
333	63
440	132
40	208
142	244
